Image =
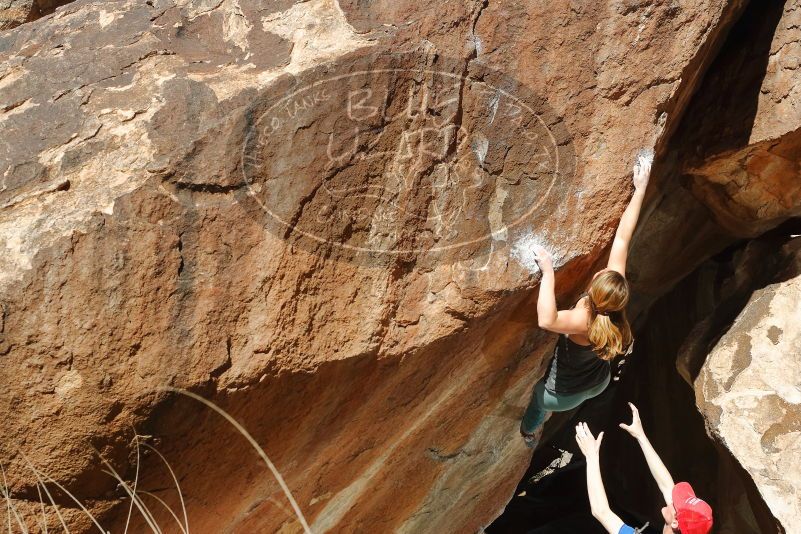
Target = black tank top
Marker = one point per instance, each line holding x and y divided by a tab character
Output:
574	368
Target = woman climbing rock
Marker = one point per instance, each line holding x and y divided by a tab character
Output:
593	331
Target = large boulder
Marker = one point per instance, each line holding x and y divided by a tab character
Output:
747	391
315	215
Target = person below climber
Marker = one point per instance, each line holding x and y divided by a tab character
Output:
593	332
683	513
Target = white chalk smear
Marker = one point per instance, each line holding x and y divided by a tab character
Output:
493	105
480	145
523	251
478	45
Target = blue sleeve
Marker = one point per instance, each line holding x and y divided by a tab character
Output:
625	529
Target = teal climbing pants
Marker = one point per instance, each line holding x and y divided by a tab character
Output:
544	401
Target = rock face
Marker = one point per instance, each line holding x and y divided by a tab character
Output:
744	163
16	12
748	391
339	266
732	168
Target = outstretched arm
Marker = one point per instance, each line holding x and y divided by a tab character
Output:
655	465
548	317
625	229
599	504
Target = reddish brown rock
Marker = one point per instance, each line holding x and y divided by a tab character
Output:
747	137
148	246
732	168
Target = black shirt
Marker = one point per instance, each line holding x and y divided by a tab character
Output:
574	368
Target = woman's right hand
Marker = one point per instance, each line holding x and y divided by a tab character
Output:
642	172
543	257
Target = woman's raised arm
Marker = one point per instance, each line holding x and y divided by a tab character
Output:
625	229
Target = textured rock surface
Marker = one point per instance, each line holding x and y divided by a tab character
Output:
732	168
385	388
15	12
745	164
748	391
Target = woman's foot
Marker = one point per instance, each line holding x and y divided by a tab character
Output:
530	439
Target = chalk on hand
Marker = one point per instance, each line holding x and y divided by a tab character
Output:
645	156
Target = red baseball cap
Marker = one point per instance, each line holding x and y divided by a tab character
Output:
693	514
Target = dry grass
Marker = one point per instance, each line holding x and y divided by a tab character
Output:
45	484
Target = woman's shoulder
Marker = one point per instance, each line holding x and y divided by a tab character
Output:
583	303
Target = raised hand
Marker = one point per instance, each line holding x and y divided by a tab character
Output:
543	257
642	169
635	428
589	445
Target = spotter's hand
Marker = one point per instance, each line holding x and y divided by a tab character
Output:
589	445
635	428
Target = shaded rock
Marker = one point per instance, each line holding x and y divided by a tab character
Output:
731	170
745	142
748	393
755	188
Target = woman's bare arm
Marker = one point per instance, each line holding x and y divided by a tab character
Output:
548	316
628	222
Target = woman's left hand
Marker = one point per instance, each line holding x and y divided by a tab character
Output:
543	257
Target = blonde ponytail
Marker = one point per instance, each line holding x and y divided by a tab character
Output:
609	330
609	339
